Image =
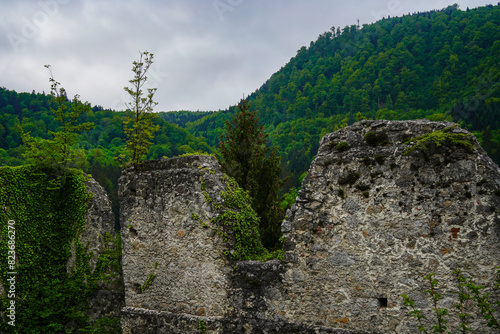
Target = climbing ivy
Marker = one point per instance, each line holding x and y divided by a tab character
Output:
243	221
48	218
201	326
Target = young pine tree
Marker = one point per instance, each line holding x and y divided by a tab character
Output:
257	169
138	124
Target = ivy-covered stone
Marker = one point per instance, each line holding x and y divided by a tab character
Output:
67	261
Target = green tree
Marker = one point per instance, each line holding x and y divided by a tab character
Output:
138	124
60	151
257	169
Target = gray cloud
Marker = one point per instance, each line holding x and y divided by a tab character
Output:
207	52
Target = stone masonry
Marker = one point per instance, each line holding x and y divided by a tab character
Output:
162	238
369	223
108	299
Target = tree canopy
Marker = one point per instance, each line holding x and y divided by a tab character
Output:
439	65
59	152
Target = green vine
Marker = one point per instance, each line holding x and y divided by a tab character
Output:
243	221
201	326
148	282
463	298
440	326
49	212
108	267
205	193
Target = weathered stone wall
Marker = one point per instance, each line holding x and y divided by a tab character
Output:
144	321
349	254
355	248
108	300
162	237
193	280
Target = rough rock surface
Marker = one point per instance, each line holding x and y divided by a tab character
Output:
168	235
142	321
99	221
164	224
370	223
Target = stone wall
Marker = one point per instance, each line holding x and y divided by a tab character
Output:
369	223
108	300
168	236
162	237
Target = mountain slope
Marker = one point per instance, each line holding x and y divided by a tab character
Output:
439	64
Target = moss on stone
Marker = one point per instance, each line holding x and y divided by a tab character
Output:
342	146
363	187
379	159
148	282
350	178
376	139
367	161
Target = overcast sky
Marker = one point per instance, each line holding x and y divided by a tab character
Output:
208	53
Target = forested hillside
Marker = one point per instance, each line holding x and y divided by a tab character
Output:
442	64
183	117
437	65
31	113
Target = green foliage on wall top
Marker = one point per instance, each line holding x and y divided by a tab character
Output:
439	138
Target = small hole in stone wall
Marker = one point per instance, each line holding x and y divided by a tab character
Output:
382	302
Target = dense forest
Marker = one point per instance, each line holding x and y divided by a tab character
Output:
439	65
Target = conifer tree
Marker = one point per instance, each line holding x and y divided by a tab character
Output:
138	124
244	156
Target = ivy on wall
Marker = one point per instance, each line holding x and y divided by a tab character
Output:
49	215
241	219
